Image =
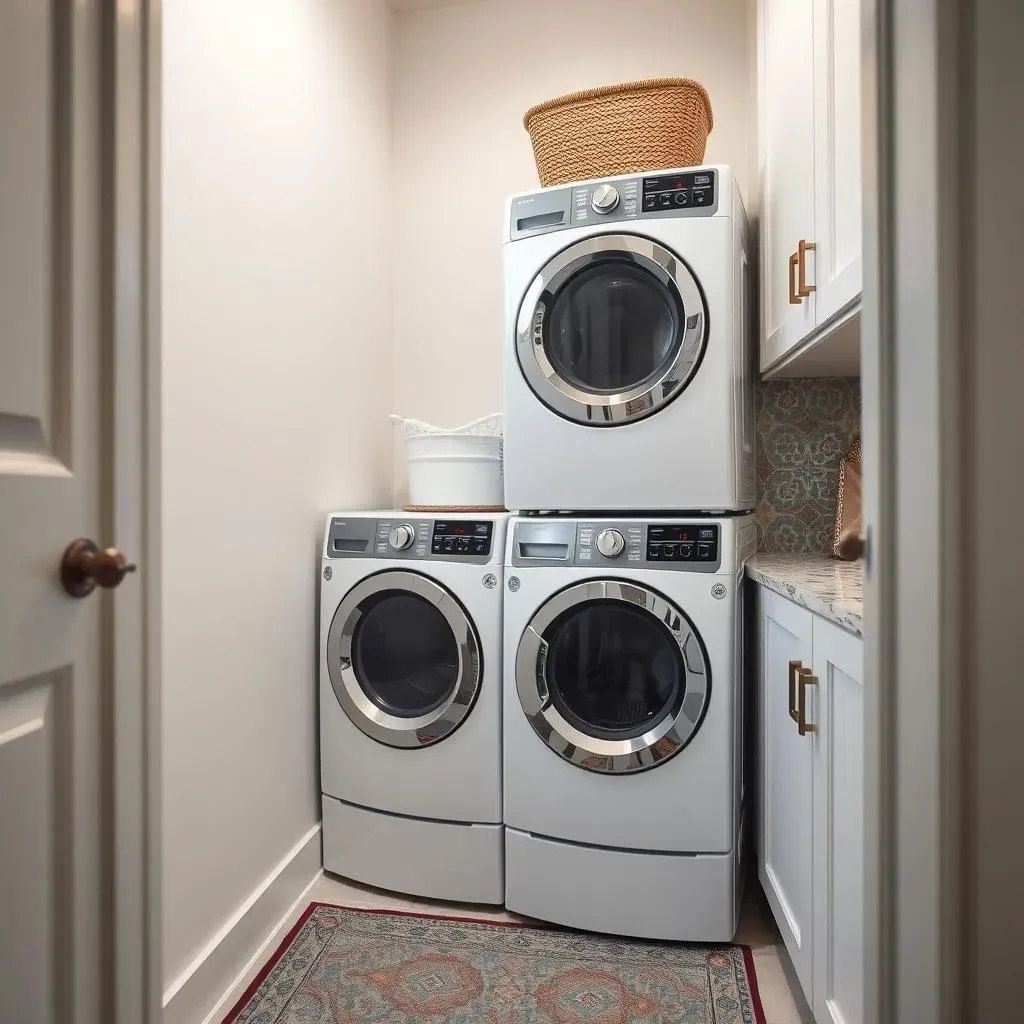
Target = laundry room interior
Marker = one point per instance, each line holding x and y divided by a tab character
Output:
343	262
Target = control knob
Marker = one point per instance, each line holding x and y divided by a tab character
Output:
605	198
401	537
610	543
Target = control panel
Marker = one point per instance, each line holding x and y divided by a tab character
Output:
687	546
682	542
686	193
410	538
677	191
461	537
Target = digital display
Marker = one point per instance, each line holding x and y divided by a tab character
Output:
461	538
676	533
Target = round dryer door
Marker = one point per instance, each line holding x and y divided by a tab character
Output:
612	676
612	329
403	658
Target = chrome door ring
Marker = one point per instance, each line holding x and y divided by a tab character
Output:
395	730
600	409
614	757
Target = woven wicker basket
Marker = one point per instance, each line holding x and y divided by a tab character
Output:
620	129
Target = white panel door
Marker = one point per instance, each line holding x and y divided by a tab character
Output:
787	123
837	160
786	829
58	907
836	707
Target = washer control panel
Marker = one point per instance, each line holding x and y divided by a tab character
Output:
408	538
692	546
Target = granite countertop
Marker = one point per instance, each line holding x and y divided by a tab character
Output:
830	588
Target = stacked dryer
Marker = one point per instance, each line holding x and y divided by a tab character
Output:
629	458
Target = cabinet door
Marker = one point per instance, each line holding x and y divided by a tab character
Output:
837	175
786	835
836	706
786	103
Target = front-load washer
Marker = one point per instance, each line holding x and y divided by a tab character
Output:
410	702
623	723
627	345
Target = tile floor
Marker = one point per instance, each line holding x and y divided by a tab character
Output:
783	1004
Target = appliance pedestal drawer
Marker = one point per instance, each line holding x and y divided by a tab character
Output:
648	895
436	859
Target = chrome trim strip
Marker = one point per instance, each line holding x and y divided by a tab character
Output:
614	757
376	723
609	409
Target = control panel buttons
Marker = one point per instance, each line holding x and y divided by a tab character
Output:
604	199
401	537
678	191
461	538
610	543
682	542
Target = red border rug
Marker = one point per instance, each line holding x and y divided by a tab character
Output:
340	965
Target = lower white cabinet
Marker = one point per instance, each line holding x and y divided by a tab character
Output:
811	837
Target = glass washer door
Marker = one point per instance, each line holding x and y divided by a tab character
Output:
612	676
403	659
612	329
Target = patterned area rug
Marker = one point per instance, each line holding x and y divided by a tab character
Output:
341	966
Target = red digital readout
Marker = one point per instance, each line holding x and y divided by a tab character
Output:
458	531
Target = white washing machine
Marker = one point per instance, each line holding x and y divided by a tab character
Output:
623	723
410	702
628	347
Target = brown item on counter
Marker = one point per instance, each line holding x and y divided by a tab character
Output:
651	125
849	526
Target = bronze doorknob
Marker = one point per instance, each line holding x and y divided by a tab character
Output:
85	567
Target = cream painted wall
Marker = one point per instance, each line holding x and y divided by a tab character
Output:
464	76
277	381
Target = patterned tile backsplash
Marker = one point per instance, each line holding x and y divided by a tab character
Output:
805	426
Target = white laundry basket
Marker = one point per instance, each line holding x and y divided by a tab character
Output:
454	469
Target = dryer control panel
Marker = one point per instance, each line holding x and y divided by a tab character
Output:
689	546
410	538
686	193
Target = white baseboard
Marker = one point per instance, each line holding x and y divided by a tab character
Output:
199	988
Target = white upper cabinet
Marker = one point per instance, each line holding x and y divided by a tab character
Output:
809	114
837	206
787	171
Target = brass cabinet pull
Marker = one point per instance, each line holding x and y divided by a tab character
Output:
803	249
794	298
794	668
807	678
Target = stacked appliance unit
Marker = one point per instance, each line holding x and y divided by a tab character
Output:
629	458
